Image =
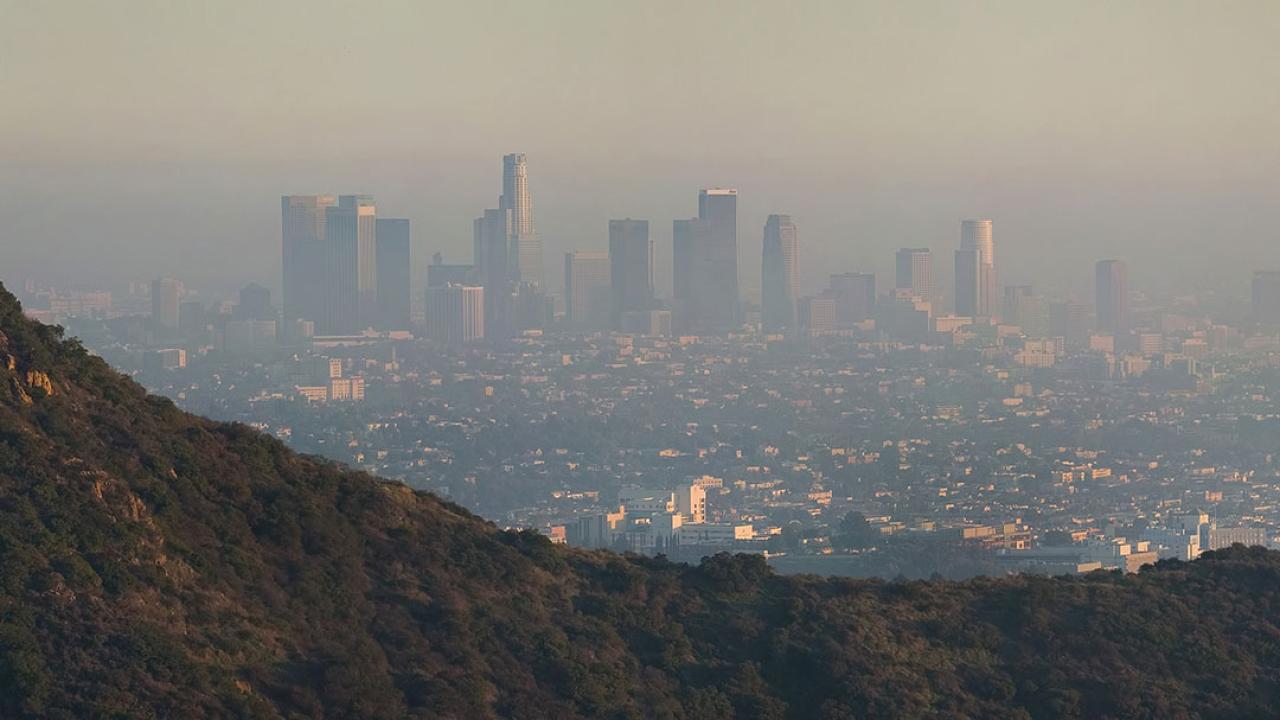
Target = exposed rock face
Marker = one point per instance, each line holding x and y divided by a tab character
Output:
39	379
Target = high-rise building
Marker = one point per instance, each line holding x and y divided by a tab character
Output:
818	314
493	264
455	314
394	269
440	273
1111	288
302	227
526	248
780	273
630	268
1266	297
914	272
976	270
587	289
683	234
349	296
854	295
166	303
255	303
714	286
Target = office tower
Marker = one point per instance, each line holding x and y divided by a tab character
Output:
349	296
854	297
455	314
302	228
906	315
976	270
394	268
440	273
255	303
1266	297
166	303
492	243
714	283
914	272
780	273
630	268
587	289
1111	288
526	249
682	243
818	314
1022	307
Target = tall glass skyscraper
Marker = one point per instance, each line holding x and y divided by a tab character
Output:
349	291
302	220
394	268
714	286
976	287
780	274
630	268
527	248
494	268
914	272
1111	292
587	289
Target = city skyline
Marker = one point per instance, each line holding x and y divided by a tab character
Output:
1138	150
686	360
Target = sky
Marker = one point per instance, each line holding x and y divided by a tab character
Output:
146	138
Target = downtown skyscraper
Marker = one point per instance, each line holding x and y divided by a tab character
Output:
349	273
587	290
508	257
683	235
494	269
914	272
455	314
1111	293
630	268
976	294
302	220
780	273
708	248
526	250
394	268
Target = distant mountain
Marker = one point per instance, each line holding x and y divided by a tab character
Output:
157	564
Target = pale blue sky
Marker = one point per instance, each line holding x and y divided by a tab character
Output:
139	138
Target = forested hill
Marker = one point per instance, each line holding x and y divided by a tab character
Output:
156	564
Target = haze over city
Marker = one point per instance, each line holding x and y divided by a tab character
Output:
564	360
145	139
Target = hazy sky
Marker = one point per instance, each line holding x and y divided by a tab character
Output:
139	138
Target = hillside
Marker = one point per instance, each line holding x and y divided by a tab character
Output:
157	564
